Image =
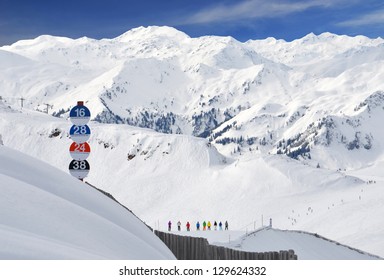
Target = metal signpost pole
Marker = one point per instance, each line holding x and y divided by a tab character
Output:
79	133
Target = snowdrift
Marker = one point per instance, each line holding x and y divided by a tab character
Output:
47	214
307	246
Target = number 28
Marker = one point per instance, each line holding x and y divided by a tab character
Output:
82	129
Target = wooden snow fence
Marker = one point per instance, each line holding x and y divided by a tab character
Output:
198	248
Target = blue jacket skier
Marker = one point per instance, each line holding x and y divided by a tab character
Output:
197	225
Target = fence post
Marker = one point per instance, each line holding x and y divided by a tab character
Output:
283	255
291	255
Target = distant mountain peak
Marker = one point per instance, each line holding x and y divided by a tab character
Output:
142	33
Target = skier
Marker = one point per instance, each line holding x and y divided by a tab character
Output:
188	226
215	225
178	226
197	225
226	225
169	225
221	225
204	225
209	225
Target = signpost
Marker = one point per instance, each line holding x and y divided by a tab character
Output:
79	133
80	115
79	168
79	151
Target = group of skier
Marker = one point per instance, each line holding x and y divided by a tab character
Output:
205	225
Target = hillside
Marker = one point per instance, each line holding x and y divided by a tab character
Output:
47	214
307	246
213	128
162	177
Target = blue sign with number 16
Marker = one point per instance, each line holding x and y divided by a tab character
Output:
80	115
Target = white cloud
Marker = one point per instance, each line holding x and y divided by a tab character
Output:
253	9
376	17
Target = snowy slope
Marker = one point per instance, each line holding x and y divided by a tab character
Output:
307	246
47	214
289	130
178	177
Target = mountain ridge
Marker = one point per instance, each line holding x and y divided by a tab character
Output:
258	124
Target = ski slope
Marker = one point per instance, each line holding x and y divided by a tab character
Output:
288	130
307	246
163	177
47	214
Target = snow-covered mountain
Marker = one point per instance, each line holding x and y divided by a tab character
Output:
282	97
217	129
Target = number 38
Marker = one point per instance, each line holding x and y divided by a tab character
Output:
79	165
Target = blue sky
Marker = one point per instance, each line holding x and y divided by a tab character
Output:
241	19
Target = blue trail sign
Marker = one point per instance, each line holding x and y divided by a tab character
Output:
80	114
80	133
